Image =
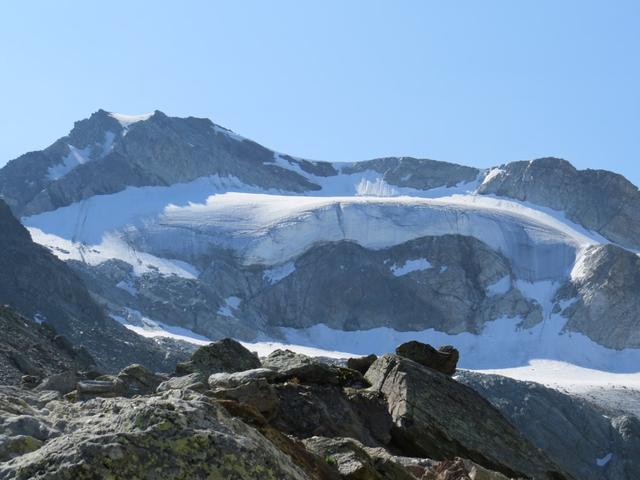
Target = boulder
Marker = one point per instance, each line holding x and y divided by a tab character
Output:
436	417
303	369
192	381
352	460
256	393
444	360
106	387
330	411
461	469
138	380
176	434
361	364
64	382
231	380
223	356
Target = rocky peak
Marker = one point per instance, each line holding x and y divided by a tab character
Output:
579	194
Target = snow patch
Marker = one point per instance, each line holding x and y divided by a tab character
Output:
128	286
275	274
230	305
500	287
411	266
501	345
377	188
601	462
112	247
127	120
491	174
149	328
39	318
80	156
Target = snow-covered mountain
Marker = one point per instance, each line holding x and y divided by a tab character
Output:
179	225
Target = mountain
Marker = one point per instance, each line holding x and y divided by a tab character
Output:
180	227
43	288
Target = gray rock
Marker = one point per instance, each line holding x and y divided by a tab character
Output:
604	303
226	355
354	462
231	380
172	435
256	393
290	366
139	380
192	381
437	417
573	432
329	411
39	285
361	364
443	360
64	382
599	200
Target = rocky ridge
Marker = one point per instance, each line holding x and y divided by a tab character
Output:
292	418
40	286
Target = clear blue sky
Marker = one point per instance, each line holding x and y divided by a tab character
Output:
475	82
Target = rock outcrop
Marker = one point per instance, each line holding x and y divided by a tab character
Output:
225	355
264	423
572	431
36	351
602	299
436	417
443	360
602	201
40	286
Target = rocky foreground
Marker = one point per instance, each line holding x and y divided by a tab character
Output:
226	414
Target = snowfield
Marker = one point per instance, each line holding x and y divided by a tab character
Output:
186	220
163	228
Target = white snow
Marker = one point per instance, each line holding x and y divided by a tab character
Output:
275	274
127	120
601	462
565	375
230	305
501	345
542	292
491	174
128	287
39	318
273	229
500	287
112	247
146	327
377	188
80	156
411	266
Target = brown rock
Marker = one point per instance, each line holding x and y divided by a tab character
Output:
444	360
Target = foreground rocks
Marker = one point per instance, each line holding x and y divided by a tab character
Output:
286	417
437	417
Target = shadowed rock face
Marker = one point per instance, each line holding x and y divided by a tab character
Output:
602	201
39	285
435	416
34	350
443	360
573	432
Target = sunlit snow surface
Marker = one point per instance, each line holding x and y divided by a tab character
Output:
273	227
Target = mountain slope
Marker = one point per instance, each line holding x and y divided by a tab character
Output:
42	287
178	223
